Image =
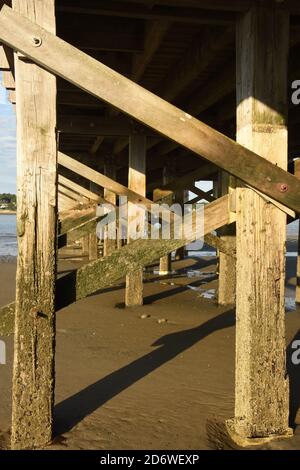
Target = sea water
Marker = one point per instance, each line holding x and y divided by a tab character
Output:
8	238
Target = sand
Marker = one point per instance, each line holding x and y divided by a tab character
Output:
126	382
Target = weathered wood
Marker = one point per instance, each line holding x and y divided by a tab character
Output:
104	83
220	244
4	64
91	125
135	255
227	264
75	217
297	297
154	35
180	198
72	194
165	263
7	319
185	15
196	59
106	271
136	182
261	393
100	81
185	180
109	170
80	189
8	80
33	371
102	180
203	194
93	239
78	232
97	144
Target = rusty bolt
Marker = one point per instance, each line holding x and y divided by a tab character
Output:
283	187
37	42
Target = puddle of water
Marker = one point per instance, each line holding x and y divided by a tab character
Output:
196	273
290	304
209	294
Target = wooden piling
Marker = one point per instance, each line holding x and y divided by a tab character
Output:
165	263
110	171
261	393
33	370
227	264
137	183
297	297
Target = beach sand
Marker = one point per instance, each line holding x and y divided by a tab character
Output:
126	382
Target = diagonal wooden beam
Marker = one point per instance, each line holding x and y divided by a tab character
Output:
71	194
77	232
75	217
73	65
154	36
97	144
202	194
80	189
106	271
102	180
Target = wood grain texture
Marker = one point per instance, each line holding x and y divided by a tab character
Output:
101	81
261	406
136	217
106	271
34	346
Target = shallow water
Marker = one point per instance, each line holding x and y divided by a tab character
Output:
8	239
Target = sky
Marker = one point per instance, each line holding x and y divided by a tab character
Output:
7	144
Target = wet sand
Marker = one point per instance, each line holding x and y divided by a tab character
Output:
126	382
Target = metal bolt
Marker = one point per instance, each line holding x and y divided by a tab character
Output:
36	41
283	187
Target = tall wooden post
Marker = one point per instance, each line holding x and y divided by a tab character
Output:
261	394
110	171
180	199
165	263
33	371
92	239
297	298
136	182
227	264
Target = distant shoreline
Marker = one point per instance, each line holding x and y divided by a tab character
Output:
4	212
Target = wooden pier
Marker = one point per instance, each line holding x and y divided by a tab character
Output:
142	99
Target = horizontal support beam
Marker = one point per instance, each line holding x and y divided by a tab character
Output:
184	181
223	5
130	10
106	271
219	244
89	125
104	41
73	65
100	126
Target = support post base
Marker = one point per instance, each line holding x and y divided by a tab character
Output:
222	436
